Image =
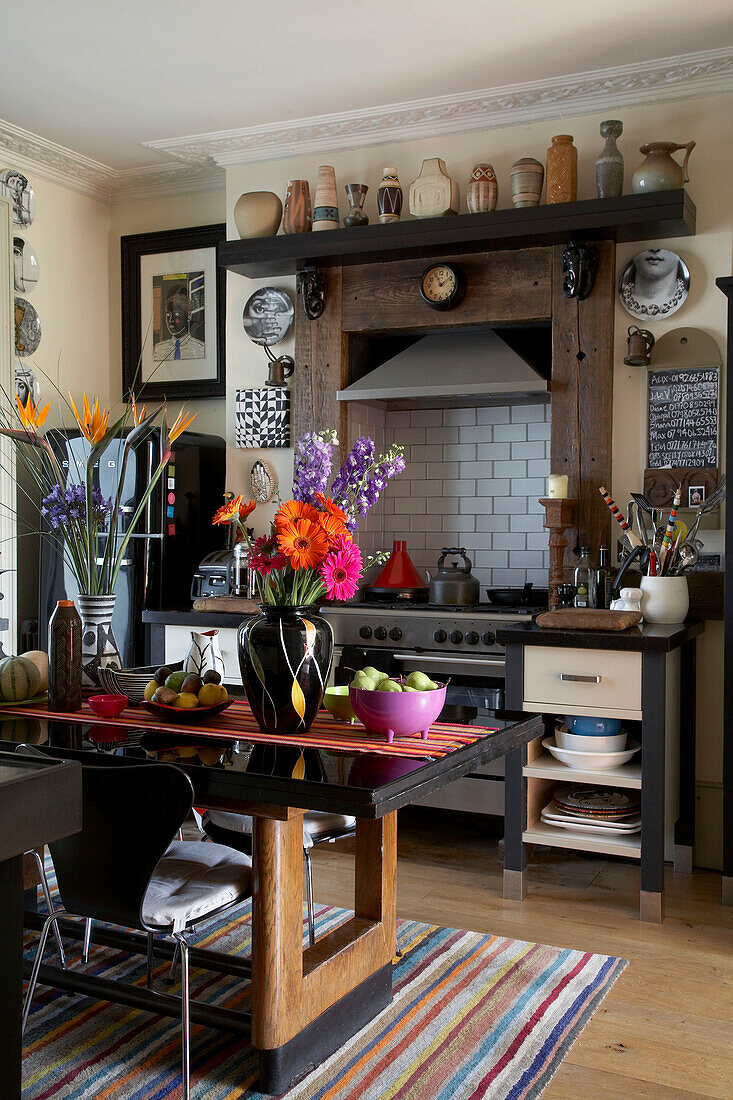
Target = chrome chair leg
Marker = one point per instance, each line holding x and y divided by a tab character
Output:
185	1022
87	940
174	963
309	896
49	906
50	922
149	971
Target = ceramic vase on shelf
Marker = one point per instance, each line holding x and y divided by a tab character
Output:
98	644
389	197
527	176
258	214
297	216
660	171
285	656
433	194
325	200
356	193
562	170
610	163
204	654
483	190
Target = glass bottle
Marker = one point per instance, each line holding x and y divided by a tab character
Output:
605	576
583	579
64	658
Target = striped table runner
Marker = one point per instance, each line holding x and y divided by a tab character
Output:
238	723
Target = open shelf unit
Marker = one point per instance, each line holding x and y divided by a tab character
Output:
541	833
547	767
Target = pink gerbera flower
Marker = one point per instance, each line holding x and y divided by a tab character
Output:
263	557
343	544
340	572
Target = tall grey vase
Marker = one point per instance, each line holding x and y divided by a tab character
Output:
610	163
98	645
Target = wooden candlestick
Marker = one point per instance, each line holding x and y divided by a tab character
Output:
559	515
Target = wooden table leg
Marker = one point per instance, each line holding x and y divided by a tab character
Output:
307	1003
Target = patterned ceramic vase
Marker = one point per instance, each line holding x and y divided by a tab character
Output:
204	654
610	163
483	190
433	194
297	212
389	197
356	193
325	202
285	657
98	645
526	176
562	170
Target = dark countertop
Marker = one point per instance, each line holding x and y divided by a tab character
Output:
195	618
646	638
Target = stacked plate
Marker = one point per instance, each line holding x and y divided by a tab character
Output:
602	810
591	744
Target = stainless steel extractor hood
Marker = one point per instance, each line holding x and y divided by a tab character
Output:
448	369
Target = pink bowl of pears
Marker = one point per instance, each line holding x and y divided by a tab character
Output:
396	707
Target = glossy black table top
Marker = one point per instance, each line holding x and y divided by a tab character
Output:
645	638
366	784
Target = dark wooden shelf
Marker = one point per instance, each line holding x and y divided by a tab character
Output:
628	218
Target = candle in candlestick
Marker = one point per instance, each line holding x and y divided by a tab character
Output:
557	486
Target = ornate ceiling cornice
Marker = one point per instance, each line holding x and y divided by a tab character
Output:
198	161
706	73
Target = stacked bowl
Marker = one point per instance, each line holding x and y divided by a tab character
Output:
591	744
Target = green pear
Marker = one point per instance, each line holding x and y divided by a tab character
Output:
389	685
407	687
363	682
374	674
421	682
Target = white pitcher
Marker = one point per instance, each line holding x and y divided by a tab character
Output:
204	654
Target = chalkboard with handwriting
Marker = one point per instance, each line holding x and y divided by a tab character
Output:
683	417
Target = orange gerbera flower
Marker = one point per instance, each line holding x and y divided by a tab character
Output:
180	424
228	512
332	527
246	509
93	423
303	542
293	510
331	508
31	417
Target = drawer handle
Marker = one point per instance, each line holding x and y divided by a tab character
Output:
580	679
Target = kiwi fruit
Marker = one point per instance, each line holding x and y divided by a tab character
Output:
192	684
212	677
162	674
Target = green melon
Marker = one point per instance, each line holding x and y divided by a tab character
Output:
19	679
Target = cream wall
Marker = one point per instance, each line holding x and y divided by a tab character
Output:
710	122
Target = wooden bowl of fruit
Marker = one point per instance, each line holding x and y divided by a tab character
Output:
396	707
186	696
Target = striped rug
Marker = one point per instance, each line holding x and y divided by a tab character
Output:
474	1016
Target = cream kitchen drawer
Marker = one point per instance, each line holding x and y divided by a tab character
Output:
178	639
582	681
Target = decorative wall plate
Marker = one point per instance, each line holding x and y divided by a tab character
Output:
268	316
16	187
26	383
27	328
25	266
654	284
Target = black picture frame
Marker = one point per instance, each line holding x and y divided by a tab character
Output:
133	248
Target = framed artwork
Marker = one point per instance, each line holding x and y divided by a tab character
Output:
262	417
173	314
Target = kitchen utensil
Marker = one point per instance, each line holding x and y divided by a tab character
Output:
576	742
399	580
669	533
688	556
398	713
590	726
190	715
591	761
631	538
454	584
516	597
639	554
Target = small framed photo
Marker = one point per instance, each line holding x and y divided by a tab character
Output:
695	496
173	314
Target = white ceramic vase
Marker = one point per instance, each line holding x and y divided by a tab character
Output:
204	654
664	599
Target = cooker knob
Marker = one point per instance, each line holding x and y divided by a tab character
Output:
395	634
439	636
365	632
488	638
456	636
471	637
380	633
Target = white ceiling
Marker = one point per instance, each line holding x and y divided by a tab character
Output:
101	78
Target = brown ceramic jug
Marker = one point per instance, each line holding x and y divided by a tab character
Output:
660	171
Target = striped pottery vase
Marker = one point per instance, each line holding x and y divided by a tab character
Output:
98	645
389	197
297	215
325	200
483	190
562	170
285	658
526	176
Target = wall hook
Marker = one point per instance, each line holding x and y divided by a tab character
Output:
312	285
579	267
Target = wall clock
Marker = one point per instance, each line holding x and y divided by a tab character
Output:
442	286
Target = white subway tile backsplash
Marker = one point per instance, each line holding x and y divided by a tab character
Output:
430	488
512	468
508	576
412	437
528	487
528	414
539	467
509	506
463	488
477	469
510	433
493	451
430	452
443	435
538	540
491	523
459	452
538	577
443	470
528	450
426	523
426	418
463	523
538	431
531	522
410	505
491	559
526	559
452	417
494	414
481	434
397	418
515	540
493	487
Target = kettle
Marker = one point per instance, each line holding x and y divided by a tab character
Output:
454	584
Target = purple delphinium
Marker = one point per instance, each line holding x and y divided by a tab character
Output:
360	481
63	506
312	464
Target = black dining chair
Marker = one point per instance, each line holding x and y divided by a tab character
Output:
123	868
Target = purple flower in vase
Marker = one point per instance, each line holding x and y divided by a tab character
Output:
312	464
63	506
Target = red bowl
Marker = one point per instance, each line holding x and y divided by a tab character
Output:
108	706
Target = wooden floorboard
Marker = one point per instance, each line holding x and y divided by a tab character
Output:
664	1032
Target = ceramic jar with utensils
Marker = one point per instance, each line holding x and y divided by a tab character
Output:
664	599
